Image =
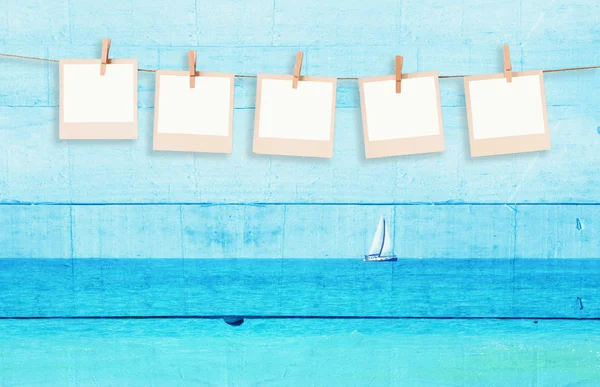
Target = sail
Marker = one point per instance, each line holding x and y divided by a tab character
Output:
378	239
388	247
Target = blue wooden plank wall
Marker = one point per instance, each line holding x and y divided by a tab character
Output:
498	280
300	353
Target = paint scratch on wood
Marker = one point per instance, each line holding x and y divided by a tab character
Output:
535	26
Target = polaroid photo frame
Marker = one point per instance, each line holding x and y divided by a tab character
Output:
98	107
198	119
505	117
294	122
405	123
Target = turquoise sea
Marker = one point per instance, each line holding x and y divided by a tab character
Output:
314	322
299	287
304	352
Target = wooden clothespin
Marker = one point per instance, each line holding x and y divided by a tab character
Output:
507	66
104	57
192	64
399	61
297	68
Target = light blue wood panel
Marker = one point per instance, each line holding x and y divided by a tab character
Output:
35	22
233	231
35	231
328	22
573	88
551	231
155	22
114	231
286	22
559	21
436	288
32	150
297	231
23	82
37	167
176	23
449	22
458	231
293	353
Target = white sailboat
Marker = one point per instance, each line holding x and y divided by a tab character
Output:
382	246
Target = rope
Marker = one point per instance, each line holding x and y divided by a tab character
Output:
341	79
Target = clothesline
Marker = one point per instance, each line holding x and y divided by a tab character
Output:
342	78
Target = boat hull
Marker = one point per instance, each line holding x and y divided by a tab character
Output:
370	258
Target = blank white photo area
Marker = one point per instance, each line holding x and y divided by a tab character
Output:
193	119
95	106
507	117
409	122
294	122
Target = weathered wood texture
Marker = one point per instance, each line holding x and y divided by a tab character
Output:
297	231
107	172
506	208
36	167
300	287
299	353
